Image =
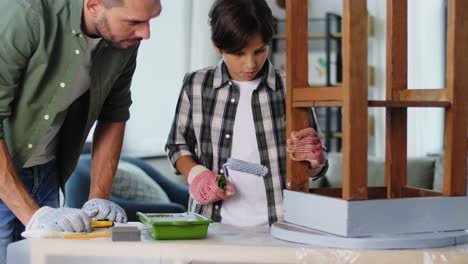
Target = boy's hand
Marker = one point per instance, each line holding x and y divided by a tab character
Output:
305	145
207	187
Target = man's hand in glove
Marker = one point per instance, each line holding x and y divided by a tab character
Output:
207	187
101	209
62	219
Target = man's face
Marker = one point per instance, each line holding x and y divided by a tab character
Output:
246	64
126	25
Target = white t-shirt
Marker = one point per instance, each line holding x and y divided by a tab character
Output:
248	207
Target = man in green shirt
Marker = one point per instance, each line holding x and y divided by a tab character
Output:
63	65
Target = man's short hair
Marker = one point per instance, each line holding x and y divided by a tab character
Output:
234	22
112	3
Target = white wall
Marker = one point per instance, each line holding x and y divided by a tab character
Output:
162	62
377	59
202	54
277	11
426	69
318	8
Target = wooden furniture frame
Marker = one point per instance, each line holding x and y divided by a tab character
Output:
352	96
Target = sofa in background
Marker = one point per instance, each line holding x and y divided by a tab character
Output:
424	172
138	187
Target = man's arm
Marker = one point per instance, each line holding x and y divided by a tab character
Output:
12	191
107	145
15	51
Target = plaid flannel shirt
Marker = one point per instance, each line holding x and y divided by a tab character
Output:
204	121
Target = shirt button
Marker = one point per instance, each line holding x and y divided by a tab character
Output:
221	171
46	117
62	84
77	52
73	32
228	136
29	146
233	100
230	83
216	207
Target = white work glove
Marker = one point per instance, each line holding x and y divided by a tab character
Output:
101	209
62	219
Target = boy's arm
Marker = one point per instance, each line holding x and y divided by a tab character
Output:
181	140
180	148
184	164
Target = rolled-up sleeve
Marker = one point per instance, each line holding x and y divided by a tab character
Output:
116	107
18	31
181	140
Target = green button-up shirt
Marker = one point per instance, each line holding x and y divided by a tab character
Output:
41	49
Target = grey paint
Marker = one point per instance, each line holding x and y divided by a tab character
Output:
293	233
376	217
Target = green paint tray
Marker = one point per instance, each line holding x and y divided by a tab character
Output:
175	226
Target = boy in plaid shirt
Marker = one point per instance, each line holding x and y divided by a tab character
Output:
237	109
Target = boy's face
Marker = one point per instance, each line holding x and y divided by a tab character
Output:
246	64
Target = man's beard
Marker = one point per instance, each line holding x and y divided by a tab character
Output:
102	29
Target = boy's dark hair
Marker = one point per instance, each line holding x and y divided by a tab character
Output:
234	22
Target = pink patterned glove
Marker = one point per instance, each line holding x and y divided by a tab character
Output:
306	145
204	187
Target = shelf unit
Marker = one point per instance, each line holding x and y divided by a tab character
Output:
327	37
363	216
352	96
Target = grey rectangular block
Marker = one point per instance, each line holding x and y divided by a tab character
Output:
125	233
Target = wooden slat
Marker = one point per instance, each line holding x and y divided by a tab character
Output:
317	94
318	104
437	95
330	192
400	98
373	192
354	100
411	192
396	118
297	178
405	104
456	117
375	103
310	36
321	86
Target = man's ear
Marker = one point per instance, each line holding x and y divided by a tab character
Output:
93	6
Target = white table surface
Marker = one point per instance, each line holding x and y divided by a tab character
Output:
224	244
